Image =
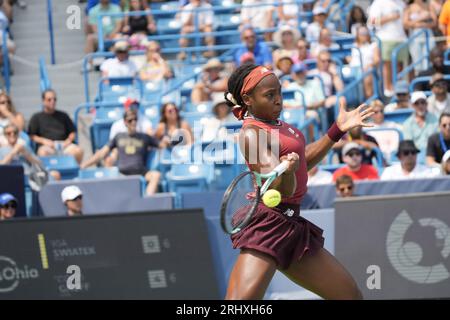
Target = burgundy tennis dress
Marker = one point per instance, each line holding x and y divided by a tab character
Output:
280	231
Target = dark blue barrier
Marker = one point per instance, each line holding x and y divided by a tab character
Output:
12	181
102	196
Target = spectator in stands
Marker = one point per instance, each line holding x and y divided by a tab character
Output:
318	177
250	43
302	49
133	148
356	19
155	68
419	16
439	143
437	66
172	127
386	17
408	168
119	126
445	164
14	150
111	25
72	198
444	21
332	82
8	206
144	24
191	19
354	168
387	139
402	97
283	65
365	56
436	7
259	17
422	124
214	127
311	89
344	186
120	65
439	101
8	113
325	43
53	130
288	12
212	83
366	142
313	29
286	38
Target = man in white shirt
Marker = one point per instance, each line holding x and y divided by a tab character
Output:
317	177
196	21
313	29
408	168
439	101
120	65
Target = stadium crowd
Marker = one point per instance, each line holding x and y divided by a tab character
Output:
299	41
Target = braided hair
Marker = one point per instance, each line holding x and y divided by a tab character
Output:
235	83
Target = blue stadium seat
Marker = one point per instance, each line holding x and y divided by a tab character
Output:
67	166
398	116
199	107
101	126
152	113
99	173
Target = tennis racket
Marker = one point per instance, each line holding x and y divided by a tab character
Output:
243	195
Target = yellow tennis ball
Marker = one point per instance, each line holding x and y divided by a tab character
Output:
271	198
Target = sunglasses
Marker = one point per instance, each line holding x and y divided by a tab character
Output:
349	188
131	120
11	205
354	154
171	110
249	37
325	60
50	99
420	102
80	197
11	133
378	111
409	153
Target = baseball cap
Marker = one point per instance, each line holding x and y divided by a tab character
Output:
401	87
6	198
299	67
417	95
406	145
70	193
319	10
350	146
446	156
131	103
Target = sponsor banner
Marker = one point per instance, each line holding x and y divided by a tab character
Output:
396	247
157	255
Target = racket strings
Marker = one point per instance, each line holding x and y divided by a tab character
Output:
241	201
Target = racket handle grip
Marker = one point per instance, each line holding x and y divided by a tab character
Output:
281	168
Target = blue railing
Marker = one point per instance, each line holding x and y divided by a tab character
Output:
44	79
6	69
50	30
409	68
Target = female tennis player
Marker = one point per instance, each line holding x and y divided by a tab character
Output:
278	238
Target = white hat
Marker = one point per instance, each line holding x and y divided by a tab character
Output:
446	156
70	193
417	95
350	146
286	28
319	10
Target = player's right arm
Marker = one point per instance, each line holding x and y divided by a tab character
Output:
259	149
